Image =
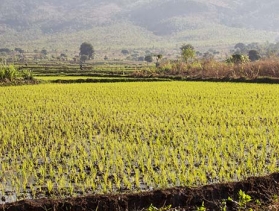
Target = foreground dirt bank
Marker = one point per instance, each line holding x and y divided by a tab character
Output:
261	189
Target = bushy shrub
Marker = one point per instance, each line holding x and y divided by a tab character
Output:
2	73
27	75
238	59
165	67
8	72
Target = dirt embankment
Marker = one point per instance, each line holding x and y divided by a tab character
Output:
18	82
261	189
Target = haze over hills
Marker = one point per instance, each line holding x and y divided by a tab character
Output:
136	23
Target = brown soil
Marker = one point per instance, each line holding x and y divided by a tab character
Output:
183	198
17	82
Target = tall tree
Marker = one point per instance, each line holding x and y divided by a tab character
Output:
158	57
87	49
187	52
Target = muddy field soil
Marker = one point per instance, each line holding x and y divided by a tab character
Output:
18	82
263	192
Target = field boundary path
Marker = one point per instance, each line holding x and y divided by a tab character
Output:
261	189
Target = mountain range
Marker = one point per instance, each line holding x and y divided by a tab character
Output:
108	24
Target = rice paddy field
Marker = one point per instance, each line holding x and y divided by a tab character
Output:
60	140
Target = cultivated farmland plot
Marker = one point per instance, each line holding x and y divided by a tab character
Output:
68	140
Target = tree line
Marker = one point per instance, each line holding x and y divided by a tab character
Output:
240	53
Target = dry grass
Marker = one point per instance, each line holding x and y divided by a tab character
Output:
213	69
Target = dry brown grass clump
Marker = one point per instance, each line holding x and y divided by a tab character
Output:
204	69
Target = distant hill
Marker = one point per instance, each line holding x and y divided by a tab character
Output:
134	24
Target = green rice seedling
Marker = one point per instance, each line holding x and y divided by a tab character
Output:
50	186
71	190
243	198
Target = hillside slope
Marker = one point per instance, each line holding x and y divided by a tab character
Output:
138	23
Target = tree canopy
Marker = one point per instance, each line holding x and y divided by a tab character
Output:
87	49
240	48
44	51
125	52
254	55
187	52
148	58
